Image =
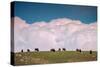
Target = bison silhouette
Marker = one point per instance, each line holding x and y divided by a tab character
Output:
37	49
52	50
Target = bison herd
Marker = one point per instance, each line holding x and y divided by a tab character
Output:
79	50
53	50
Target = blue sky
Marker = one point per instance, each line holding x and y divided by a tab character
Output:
34	12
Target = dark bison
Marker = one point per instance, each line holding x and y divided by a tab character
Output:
64	49
36	49
90	51
28	50
22	50
79	50
59	49
52	50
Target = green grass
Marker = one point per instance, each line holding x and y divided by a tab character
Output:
46	57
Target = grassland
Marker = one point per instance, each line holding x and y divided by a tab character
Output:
45	57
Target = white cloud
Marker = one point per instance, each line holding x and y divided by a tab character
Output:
57	33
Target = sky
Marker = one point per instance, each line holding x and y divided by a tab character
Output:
47	26
35	12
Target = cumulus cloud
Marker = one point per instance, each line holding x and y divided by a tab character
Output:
57	33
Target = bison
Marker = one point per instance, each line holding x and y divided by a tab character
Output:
64	49
90	51
36	49
28	50
22	50
52	50
59	49
79	50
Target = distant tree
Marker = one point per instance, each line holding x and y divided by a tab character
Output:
64	49
52	50
37	49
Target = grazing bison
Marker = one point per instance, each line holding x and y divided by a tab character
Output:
22	50
64	49
59	49
36	49
90	51
79	50
52	50
28	50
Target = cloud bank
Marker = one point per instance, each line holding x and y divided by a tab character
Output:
57	33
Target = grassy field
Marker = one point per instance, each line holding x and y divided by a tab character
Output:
46	57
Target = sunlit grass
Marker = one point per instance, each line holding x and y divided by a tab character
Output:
45	57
